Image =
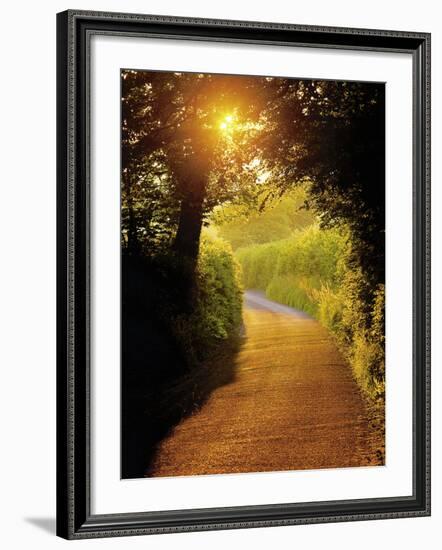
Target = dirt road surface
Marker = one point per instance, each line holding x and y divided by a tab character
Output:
293	405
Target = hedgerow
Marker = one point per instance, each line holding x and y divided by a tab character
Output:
313	271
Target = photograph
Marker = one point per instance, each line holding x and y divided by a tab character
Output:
252	225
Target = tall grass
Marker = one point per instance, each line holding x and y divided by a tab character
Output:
312	271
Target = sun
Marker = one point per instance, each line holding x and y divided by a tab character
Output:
227	123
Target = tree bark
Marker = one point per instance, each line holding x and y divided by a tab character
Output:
192	175
190	223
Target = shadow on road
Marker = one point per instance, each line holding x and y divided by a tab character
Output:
158	389
150	417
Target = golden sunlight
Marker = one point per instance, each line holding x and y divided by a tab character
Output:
227	123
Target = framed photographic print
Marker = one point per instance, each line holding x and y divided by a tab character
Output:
243	274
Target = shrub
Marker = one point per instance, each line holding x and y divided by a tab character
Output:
366	347
329	307
216	302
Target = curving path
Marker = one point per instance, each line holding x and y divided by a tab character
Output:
293	405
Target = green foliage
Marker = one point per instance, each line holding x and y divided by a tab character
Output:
313	271
332	133
362	332
266	220
177	162
309	254
216	302
292	291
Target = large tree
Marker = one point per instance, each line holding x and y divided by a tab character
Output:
332	134
177	134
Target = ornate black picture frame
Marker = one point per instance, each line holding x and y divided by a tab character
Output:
74	518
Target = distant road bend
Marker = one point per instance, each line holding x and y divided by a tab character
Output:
293	405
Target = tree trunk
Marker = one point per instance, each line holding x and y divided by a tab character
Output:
190	223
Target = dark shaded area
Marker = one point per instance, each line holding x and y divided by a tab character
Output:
159	386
